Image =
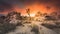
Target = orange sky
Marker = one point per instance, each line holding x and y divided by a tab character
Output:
33	9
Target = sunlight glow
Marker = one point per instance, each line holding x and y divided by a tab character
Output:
32	15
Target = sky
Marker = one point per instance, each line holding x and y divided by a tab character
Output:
44	6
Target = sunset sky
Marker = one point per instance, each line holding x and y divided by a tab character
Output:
44	6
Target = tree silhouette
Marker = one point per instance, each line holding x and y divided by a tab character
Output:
38	14
28	11
18	16
49	18
45	14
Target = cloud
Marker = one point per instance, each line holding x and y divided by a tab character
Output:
4	6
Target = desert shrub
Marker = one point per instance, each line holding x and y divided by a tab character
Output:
35	29
6	27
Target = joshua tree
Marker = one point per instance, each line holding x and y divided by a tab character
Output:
18	16
28	11
45	14
38	13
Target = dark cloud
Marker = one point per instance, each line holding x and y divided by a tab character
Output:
4	6
8	4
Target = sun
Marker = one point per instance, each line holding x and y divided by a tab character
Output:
32	15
